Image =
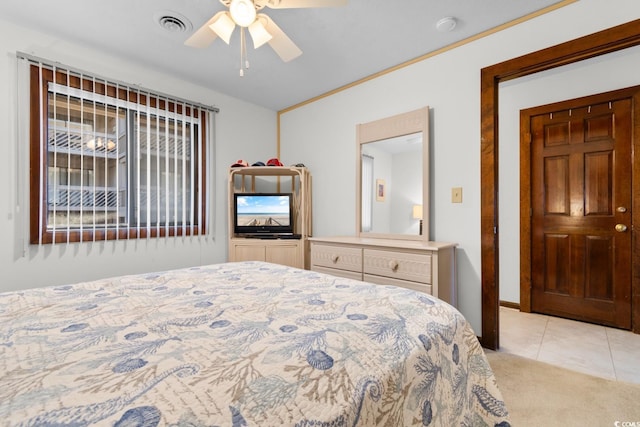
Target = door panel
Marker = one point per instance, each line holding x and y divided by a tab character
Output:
557	250
580	191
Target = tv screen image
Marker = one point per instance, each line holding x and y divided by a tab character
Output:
263	213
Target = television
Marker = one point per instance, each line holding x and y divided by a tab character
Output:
262	214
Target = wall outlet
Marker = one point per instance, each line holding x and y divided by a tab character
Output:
456	195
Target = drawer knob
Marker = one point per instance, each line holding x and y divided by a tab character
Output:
334	258
393	265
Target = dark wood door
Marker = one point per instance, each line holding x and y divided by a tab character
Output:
581	212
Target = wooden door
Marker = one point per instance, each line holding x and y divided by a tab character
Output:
581	170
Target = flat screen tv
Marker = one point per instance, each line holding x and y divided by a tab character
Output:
263	213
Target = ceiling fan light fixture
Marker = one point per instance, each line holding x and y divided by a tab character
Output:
243	12
223	27
259	33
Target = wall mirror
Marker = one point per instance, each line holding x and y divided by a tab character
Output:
393	177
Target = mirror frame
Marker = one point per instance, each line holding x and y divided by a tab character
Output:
390	127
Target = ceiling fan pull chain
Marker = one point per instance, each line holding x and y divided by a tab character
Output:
244	46
244	60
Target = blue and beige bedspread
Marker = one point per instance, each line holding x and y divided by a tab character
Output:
238	344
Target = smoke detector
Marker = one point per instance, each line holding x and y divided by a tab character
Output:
446	24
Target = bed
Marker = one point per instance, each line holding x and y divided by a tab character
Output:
240	344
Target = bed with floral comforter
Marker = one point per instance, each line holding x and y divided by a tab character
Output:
240	344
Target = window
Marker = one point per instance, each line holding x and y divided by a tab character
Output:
109	161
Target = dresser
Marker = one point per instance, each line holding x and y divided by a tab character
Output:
428	267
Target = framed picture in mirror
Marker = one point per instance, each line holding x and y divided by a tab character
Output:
380	191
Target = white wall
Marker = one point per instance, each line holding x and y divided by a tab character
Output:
449	84
51	265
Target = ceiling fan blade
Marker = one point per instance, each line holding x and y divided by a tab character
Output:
284	47
204	36
294	4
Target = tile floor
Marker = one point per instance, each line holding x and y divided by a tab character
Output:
597	350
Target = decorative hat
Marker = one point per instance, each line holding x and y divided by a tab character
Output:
274	162
240	163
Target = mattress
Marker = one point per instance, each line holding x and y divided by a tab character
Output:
240	344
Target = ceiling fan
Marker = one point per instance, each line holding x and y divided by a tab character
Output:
244	13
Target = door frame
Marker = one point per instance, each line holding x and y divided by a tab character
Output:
525	183
603	42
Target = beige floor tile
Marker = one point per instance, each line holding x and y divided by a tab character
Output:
584	347
521	333
625	352
576	345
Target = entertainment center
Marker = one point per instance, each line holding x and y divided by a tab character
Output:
270	214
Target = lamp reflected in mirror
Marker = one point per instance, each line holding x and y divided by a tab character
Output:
417	214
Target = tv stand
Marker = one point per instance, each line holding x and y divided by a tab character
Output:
286	249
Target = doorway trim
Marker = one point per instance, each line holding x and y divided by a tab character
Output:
590	46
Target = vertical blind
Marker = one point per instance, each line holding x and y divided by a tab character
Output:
367	192
113	161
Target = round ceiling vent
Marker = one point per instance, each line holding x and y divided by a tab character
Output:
173	22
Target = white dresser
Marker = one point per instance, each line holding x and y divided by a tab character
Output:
428	267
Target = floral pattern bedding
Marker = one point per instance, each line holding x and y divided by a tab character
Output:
240	344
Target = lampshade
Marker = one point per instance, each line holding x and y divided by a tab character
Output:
243	12
223	27
417	212
259	33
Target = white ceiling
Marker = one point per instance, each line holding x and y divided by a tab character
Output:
340	45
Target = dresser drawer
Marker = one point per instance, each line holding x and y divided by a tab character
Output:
355	275
334	256
380	280
415	267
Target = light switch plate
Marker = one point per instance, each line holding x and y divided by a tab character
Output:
456	195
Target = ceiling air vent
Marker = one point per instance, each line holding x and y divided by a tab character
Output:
173	22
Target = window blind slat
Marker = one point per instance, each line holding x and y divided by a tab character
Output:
203	128
167	174
192	161
175	178
93	158
367	192
68	221
184	174
157	182
105	186
139	163
117	185
82	160
54	133
148	166
128	186
209	226
41	212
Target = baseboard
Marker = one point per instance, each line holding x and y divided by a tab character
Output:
510	304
